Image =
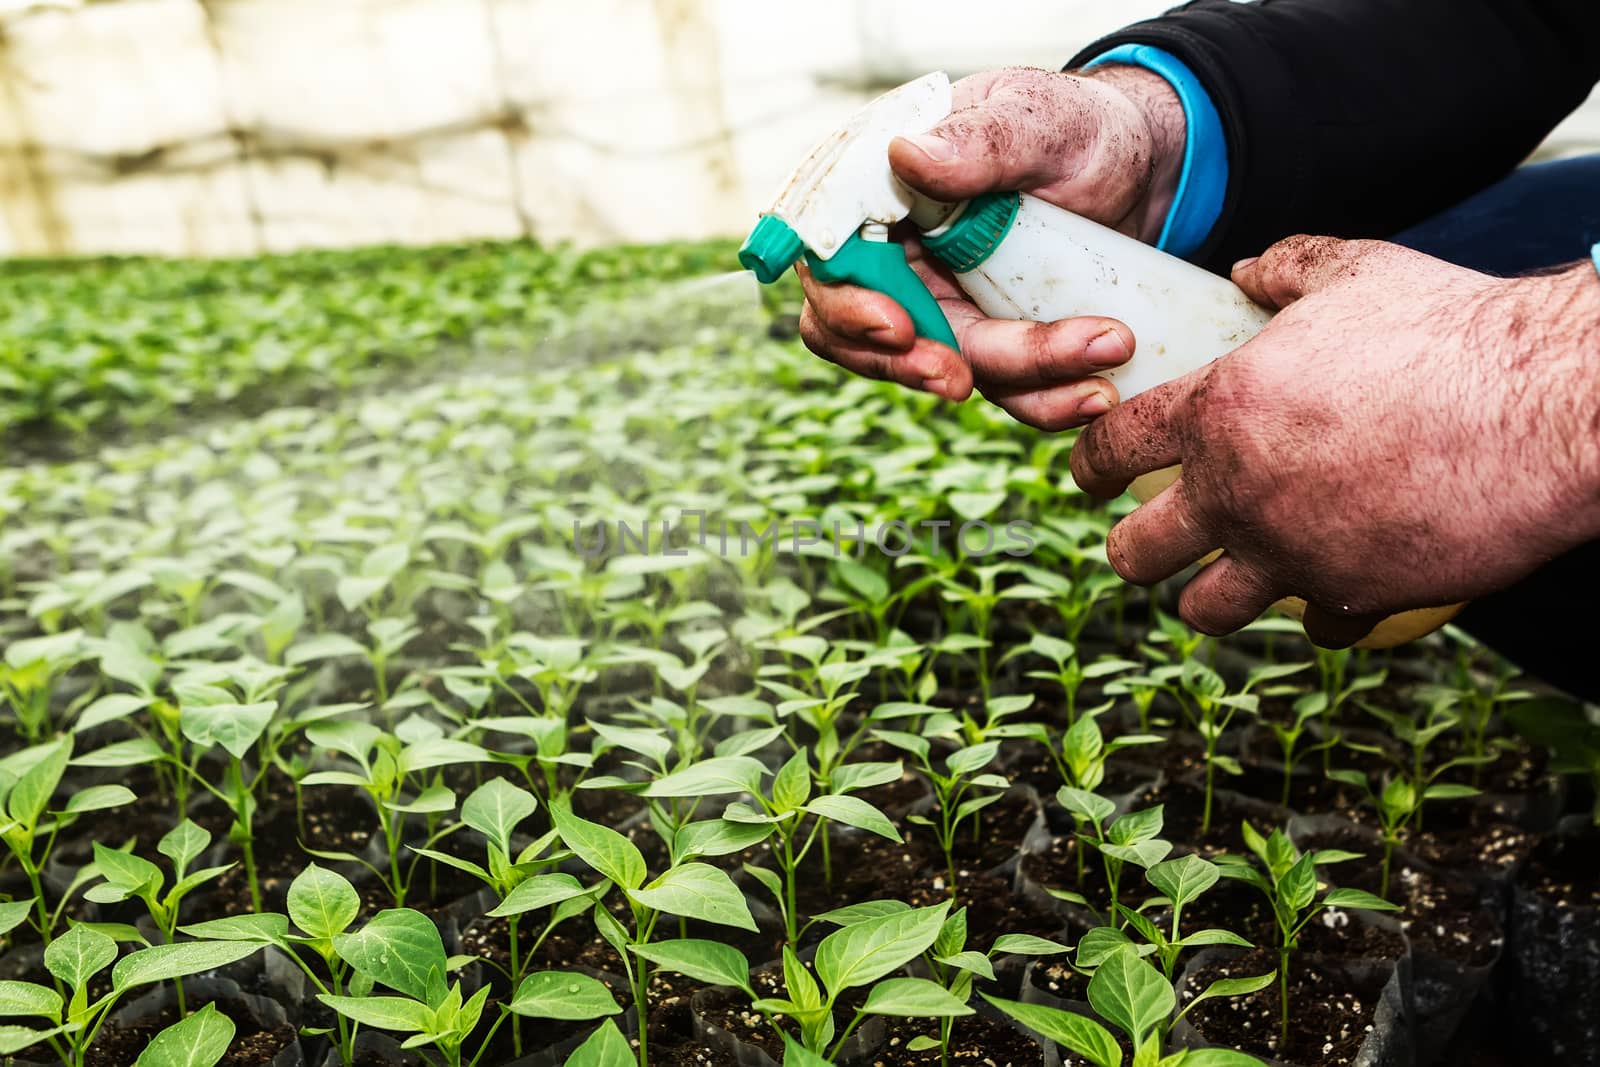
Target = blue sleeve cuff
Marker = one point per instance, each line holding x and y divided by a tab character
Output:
1204	182
1594	254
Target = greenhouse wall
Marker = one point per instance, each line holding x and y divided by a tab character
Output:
222	127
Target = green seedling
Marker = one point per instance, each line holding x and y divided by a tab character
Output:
388	768
127	876
29	826
77	957
1397	802
523	883
1131	995
1070	672
687	889
1214	711
1131	838
1081	757
1288	879
960	791
28	676
862	953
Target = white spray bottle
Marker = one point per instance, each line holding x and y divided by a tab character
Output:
1017	257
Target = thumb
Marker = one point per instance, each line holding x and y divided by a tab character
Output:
1016	137
1299	266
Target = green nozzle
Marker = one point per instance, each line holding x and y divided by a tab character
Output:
771	249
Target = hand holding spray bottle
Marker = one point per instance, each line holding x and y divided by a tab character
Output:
1016	257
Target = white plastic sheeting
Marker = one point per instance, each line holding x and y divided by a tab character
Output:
220	127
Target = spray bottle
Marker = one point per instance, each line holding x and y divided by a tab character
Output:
1016	257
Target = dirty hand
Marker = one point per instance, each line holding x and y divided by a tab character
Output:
1406	434
1107	145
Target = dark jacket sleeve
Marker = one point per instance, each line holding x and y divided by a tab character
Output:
1360	117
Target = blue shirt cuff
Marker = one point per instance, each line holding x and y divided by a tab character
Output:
1204	182
1594	254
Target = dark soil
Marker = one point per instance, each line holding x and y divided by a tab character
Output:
1442	916
1565	870
976	1039
120	1046
1474	838
1329	1018
1184	811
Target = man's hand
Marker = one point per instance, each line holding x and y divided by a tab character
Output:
1108	146
1406	434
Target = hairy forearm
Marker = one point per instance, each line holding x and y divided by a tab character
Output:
1164	120
1546	330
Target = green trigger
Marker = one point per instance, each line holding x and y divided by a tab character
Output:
882	266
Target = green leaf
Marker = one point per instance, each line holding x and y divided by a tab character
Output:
161	963
971	962
78	954
129	753
914	998
717	776
30	797
797	1055
560	995
99	798
398	948
717	837
853	777
268	927
1298	886
13	913
602	848
606	1047
496	808
1449	791
1183	879
697	891
236	727
128	872
16	1038
1129	993
321	902
433	800
111	708
184	843
862	953
1357	900
863	580
1136	827
539	891
198	1041
1233	987
1202	938
867	909
1099	944
711	962
853	811
26	998
792	786
1026	945
1078	1033
383	1013
1086	805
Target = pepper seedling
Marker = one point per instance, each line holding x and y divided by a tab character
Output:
1131	995
956	795
1131	838
1287	877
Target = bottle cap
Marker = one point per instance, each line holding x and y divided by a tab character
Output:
976	232
771	249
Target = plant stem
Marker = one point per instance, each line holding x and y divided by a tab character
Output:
516	975
1388	854
1283	996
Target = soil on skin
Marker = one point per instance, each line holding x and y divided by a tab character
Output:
1442	916
118	1046
1329	1019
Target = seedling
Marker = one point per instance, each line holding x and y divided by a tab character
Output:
1131	838
1214	710
1288	879
129	876
1397	803
73	960
688	889
387	766
1131	995
956	790
1083	752
28	677
1565	728
1070	672
28	781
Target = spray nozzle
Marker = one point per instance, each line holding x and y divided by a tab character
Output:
838	205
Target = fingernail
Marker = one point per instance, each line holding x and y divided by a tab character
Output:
1107	350
1093	407
1242	264
882	335
935	148
933	385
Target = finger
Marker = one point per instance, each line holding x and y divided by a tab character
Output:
1056	408
1159	539
1018	136
1013	355
1337	629
1297	266
926	365
854	312
1135	437
1225	596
